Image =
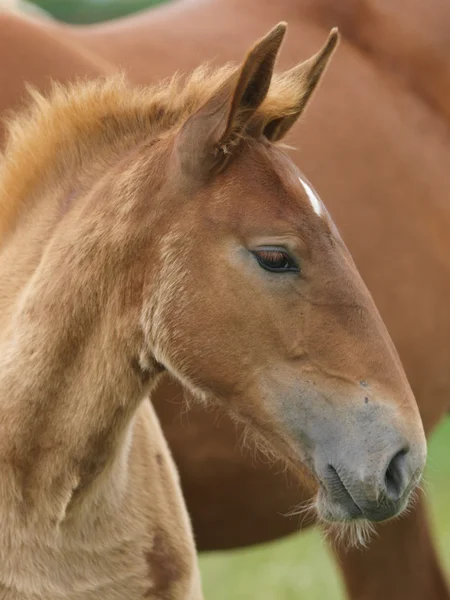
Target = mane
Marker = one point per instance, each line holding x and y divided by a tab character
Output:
60	132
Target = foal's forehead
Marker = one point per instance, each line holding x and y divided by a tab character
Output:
295	182
279	185
314	200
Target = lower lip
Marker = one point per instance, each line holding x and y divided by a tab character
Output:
339	514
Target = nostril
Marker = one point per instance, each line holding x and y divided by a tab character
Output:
395	477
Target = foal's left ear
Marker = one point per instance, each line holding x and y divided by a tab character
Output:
303	80
207	136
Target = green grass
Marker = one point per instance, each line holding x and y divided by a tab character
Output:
301	566
438	486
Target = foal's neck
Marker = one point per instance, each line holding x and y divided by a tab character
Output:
72	266
68	390
70	375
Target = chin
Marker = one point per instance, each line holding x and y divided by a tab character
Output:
343	525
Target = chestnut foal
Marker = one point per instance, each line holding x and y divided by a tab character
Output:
163	230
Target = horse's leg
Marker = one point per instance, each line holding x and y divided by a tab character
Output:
400	564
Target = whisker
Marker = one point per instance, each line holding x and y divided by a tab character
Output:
348	534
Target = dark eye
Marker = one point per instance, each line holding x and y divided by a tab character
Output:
277	261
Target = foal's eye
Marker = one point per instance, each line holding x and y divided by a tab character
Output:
277	261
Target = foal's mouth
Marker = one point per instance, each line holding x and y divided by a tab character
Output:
336	501
341	519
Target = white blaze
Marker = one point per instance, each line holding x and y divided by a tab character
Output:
314	199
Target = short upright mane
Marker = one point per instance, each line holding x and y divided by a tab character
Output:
74	122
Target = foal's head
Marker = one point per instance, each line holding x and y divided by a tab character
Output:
245	292
261	306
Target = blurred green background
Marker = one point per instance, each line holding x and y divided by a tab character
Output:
90	11
301	565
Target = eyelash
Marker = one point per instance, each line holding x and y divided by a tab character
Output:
276	261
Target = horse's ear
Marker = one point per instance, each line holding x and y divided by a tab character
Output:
207	136
303	79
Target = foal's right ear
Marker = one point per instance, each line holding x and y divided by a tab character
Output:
208	136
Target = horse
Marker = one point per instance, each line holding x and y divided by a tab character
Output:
137	228
399	55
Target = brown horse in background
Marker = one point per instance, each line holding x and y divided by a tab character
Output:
383	172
